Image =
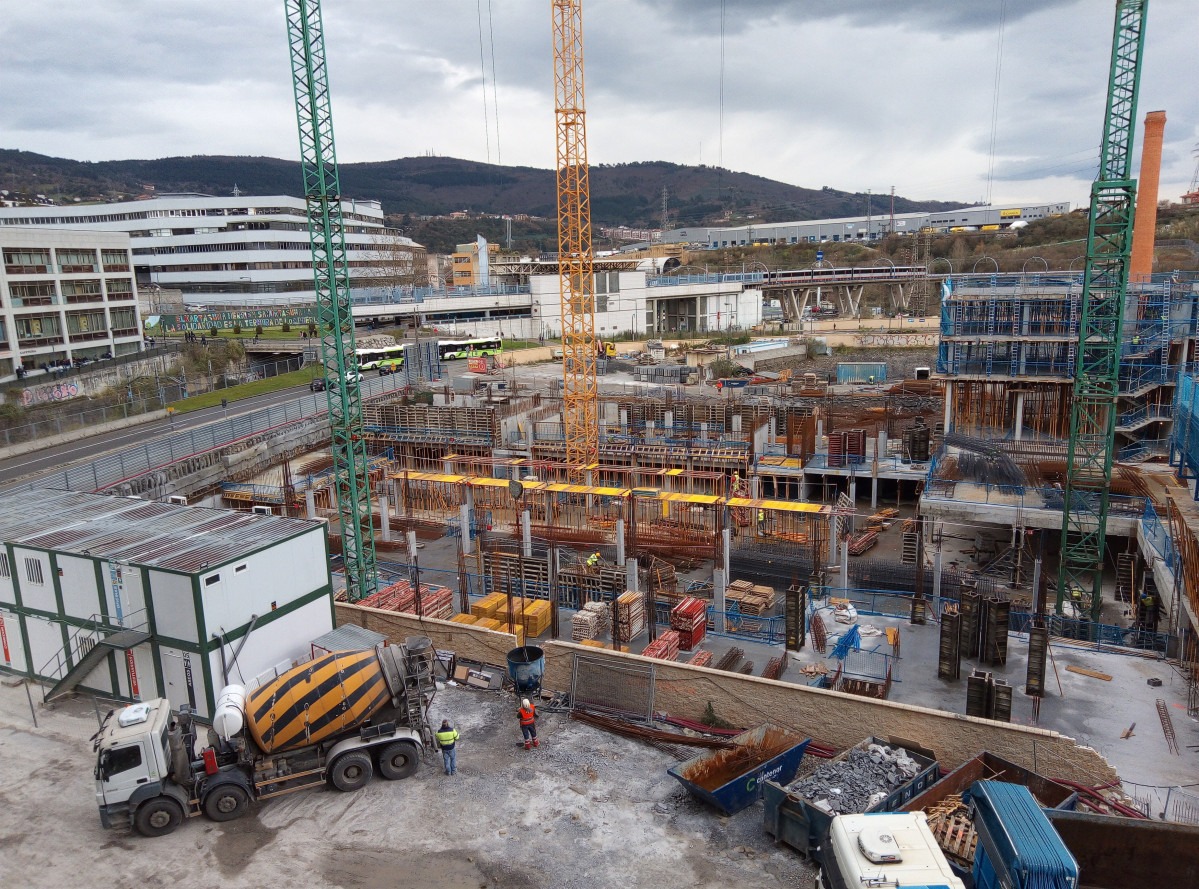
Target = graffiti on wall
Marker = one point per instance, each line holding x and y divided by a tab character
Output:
203	321
43	394
896	339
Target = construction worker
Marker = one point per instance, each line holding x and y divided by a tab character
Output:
447	740
761	521
593	560
528	722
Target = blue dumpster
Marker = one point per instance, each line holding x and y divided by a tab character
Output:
731	779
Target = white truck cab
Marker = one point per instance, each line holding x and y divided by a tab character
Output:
884	850
133	762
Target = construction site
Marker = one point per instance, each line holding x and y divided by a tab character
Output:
747	608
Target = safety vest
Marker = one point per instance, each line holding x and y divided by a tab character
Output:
527	716
446	739
592	560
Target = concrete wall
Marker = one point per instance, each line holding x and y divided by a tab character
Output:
833	718
472	643
43	388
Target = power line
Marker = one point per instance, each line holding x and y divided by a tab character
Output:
499	157
995	98
483	74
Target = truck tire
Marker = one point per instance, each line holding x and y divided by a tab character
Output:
397	760
351	771
158	816
227	802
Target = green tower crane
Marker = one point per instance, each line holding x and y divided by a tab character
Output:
322	193
1101	322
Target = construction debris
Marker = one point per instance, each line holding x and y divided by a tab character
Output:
861	780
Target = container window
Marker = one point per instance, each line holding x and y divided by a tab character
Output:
5	571
240	568
209	581
33	571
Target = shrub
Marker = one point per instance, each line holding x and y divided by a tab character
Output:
214	331
257	330
286	327
236	329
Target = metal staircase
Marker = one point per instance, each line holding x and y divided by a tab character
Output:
86	651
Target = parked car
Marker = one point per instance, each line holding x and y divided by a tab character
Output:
317	384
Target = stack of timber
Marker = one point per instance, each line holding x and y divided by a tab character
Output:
859	543
701	658
435	601
488	605
501	626
630	615
690	620
535	618
752	599
665	647
584	626
603	615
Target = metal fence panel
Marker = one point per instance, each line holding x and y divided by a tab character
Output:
611	686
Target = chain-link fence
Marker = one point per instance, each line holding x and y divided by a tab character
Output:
106	471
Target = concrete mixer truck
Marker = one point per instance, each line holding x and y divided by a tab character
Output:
336	719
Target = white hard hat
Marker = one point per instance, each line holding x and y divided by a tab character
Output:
525	703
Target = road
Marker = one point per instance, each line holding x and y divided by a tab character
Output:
61	455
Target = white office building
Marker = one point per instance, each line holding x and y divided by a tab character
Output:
237	249
64	296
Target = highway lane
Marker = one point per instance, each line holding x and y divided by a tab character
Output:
59	456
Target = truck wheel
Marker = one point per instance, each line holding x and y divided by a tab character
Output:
157	817
351	771
397	760
227	802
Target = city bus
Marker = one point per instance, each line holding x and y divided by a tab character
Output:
387	359
448	350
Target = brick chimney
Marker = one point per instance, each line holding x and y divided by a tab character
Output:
1145	223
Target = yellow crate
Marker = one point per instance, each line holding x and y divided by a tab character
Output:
463	618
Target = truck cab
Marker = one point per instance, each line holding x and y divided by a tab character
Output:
133	764
884	849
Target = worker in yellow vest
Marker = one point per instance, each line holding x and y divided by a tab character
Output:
447	740
593	560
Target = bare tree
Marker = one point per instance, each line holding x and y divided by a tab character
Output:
395	261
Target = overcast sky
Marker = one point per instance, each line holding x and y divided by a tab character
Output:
853	94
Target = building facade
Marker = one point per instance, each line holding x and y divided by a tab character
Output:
865	228
65	296
236	249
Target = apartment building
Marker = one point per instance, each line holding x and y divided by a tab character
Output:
65	295
236	249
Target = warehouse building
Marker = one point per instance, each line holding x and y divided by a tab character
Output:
130	599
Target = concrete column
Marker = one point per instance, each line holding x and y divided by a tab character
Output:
880	446
853	499
447	467
703	430
948	404
464	529
668	420
718	582
773	428
937	573
620	541
874	491
385	517
755	487
1036	586
526	536
726	543
630	574
845	565
803	487
624	417
736	423
1019	415
310	503
649	429
833	543
411	545
819	431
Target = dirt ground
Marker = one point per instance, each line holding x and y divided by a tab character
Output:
586	809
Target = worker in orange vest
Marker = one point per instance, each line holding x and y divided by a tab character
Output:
528	722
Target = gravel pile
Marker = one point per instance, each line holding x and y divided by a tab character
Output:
858	782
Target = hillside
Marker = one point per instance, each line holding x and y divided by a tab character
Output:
621	194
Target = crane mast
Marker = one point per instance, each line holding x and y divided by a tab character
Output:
575	279
1101	323
322	194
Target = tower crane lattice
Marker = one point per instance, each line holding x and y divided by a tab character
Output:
575	271
1097	366
322	194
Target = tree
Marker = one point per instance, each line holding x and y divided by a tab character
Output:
394	261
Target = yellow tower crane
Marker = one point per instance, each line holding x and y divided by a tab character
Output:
575	279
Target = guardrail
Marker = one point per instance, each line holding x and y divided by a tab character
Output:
103	472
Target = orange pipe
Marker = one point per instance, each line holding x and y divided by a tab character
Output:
1145	223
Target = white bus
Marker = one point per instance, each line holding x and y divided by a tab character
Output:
387	360
449	350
